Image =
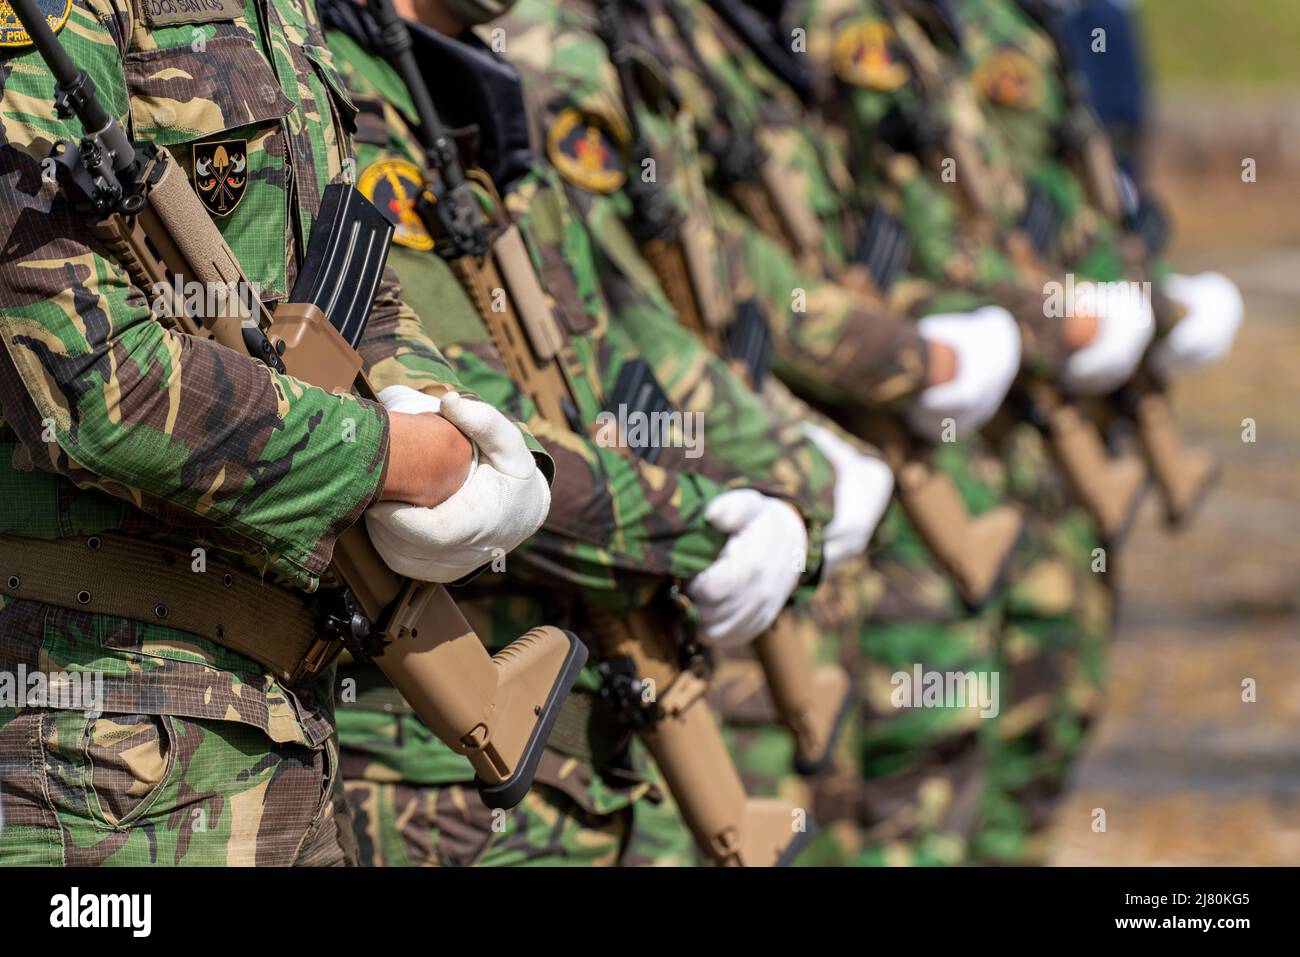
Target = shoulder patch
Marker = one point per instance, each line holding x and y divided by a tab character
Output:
587	151
867	54
1009	78
220	174
394	185
12	33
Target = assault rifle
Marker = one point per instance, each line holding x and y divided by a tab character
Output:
1183	475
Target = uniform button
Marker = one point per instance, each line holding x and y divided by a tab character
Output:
14	582
83	597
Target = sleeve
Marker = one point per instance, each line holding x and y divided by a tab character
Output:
100	392
829	342
616	522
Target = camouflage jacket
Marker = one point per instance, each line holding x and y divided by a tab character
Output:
824	339
1018	75
111	421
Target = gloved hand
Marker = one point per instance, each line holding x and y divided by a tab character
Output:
1125	329
745	588
987	343
1205	333
863	486
504	499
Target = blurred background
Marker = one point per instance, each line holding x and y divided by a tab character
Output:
1186	772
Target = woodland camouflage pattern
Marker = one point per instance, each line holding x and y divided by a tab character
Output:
566	63
113	423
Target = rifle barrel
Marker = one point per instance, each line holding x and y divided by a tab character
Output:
75	87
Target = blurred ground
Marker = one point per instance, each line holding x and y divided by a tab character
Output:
1186	772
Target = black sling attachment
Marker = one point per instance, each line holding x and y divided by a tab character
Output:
463	228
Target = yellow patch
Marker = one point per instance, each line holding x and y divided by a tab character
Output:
395	185
12	33
587	151
1009	78
867	54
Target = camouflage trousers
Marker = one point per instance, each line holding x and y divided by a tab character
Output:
80	789
567	819
1052	648
764	750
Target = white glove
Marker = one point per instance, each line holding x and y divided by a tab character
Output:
1125	328
1205	333
503	501
745	588
987	343
862	488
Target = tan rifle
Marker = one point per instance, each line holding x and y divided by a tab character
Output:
495	710
667	706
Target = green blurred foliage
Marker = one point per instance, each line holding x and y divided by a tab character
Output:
1233	44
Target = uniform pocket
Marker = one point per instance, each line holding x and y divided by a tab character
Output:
127	760
222	114
345	110
179	95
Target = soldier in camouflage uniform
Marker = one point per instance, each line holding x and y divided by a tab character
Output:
122	436
618	525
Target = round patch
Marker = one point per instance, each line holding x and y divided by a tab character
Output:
12	33
1009	78
867	54
394	185
587	152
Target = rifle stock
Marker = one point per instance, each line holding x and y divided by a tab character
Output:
1183	475
733	830
799	692
974	550
1110	487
